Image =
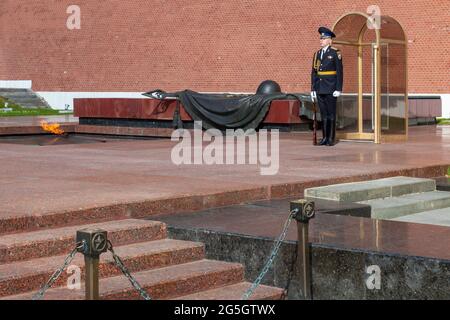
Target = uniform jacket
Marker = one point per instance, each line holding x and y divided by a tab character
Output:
331	61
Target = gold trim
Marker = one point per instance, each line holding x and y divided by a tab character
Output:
355	136
326	73
393	138
383	40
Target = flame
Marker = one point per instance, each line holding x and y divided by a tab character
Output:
52	128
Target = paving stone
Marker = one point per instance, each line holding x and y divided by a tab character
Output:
373	189
400	206
440	217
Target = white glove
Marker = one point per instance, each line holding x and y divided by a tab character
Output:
337	94
313	96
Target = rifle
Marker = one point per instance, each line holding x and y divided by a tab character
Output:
314	123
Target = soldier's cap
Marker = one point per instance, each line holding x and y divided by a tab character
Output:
326	33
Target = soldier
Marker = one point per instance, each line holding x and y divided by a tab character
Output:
326	84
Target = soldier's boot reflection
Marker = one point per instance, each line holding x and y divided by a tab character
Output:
331	133
324	132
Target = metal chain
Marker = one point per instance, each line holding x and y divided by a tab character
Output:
127	273
273	255
55	276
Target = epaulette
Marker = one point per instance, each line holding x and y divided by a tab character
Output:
338	52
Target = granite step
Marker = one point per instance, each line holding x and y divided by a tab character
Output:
373	189
24	276
438	217
50	242
162	283
235	292
24	97
391	208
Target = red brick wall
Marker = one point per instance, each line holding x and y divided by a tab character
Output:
204	45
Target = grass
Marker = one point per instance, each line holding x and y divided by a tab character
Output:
443	121
18	111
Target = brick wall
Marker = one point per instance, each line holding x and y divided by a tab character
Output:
204	45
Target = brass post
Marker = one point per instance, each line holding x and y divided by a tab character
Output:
303	259
91	277
95	243
305	211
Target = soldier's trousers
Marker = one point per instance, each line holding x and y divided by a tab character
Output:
327	105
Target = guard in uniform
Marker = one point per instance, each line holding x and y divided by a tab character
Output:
326	84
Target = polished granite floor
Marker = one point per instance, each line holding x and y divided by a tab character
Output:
266	219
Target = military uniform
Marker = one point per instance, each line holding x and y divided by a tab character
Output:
326	80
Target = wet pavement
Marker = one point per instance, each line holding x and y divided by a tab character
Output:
265	219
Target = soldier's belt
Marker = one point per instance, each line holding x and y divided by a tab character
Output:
326	73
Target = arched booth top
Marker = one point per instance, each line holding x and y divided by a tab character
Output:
351	28
374	103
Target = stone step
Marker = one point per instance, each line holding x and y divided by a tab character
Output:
50	242
374	189
404	205
438	217
19	95
235	292
24	276
163	283
24	97
9	90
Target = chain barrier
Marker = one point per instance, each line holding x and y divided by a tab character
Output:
55	276
127	273
273	255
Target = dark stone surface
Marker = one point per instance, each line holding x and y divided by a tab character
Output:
337	273
133	123
322	206
64	139
443	184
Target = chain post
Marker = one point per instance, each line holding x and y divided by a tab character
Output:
95	241
305	212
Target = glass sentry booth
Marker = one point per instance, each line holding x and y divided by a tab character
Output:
374	106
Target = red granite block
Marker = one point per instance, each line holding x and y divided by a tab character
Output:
280	111
44	243
283	112
24	276
115	108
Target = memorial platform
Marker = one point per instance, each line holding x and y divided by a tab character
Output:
48	188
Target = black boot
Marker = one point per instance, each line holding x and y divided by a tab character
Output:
324	132
331	133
